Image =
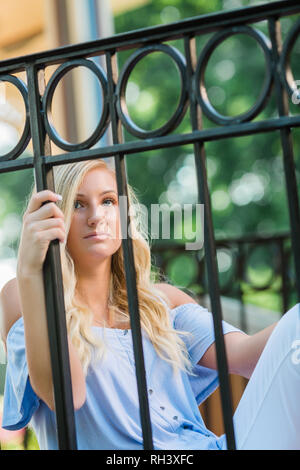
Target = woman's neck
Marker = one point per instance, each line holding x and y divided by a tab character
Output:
93	290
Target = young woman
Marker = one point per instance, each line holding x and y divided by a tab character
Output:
178	338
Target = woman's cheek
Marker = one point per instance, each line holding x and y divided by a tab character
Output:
114	225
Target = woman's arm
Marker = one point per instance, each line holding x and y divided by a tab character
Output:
41	224
32	299
243	351
30	295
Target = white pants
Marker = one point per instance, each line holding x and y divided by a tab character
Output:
268	414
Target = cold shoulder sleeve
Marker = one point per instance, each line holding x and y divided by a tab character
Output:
20	400
198	321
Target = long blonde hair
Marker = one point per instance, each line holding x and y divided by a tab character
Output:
154	313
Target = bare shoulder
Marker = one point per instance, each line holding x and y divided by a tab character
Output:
175	295
10	307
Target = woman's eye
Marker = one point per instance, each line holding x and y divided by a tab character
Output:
109	200
77	204
106	202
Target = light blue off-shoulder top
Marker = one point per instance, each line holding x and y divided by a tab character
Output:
109	418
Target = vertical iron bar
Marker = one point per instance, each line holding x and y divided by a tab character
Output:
287	148
284	276
210	249
68	88
133	305
53	283
241	266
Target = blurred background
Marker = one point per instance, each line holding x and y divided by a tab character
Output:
246	178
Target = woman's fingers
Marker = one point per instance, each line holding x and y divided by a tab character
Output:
41	230
46	236
48	210
43	222
43	206
46	224
41	197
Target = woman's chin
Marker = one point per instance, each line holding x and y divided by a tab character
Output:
96	252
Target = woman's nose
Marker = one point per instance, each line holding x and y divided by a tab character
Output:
96	215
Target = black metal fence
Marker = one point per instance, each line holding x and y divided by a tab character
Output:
244	253
38	96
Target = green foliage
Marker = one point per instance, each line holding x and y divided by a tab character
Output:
15	188
246	177
249	168
245	174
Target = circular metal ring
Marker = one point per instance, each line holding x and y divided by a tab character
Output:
201	93
122	110
47	102
286	73
25	137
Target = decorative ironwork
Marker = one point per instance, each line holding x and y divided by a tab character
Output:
178	115
25	137
47	102
207	51
193	97
237	283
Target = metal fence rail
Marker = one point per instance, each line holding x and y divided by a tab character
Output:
38	96
237	282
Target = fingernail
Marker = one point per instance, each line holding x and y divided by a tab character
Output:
59	197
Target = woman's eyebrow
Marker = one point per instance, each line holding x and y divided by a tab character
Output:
104	192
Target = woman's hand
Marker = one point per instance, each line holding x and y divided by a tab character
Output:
42	223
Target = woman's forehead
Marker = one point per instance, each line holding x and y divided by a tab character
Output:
99	178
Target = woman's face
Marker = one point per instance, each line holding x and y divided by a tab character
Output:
95	228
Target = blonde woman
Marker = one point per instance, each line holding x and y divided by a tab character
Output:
178	339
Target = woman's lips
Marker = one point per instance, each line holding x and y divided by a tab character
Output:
97	236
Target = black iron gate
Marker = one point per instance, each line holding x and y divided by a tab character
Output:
38	97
